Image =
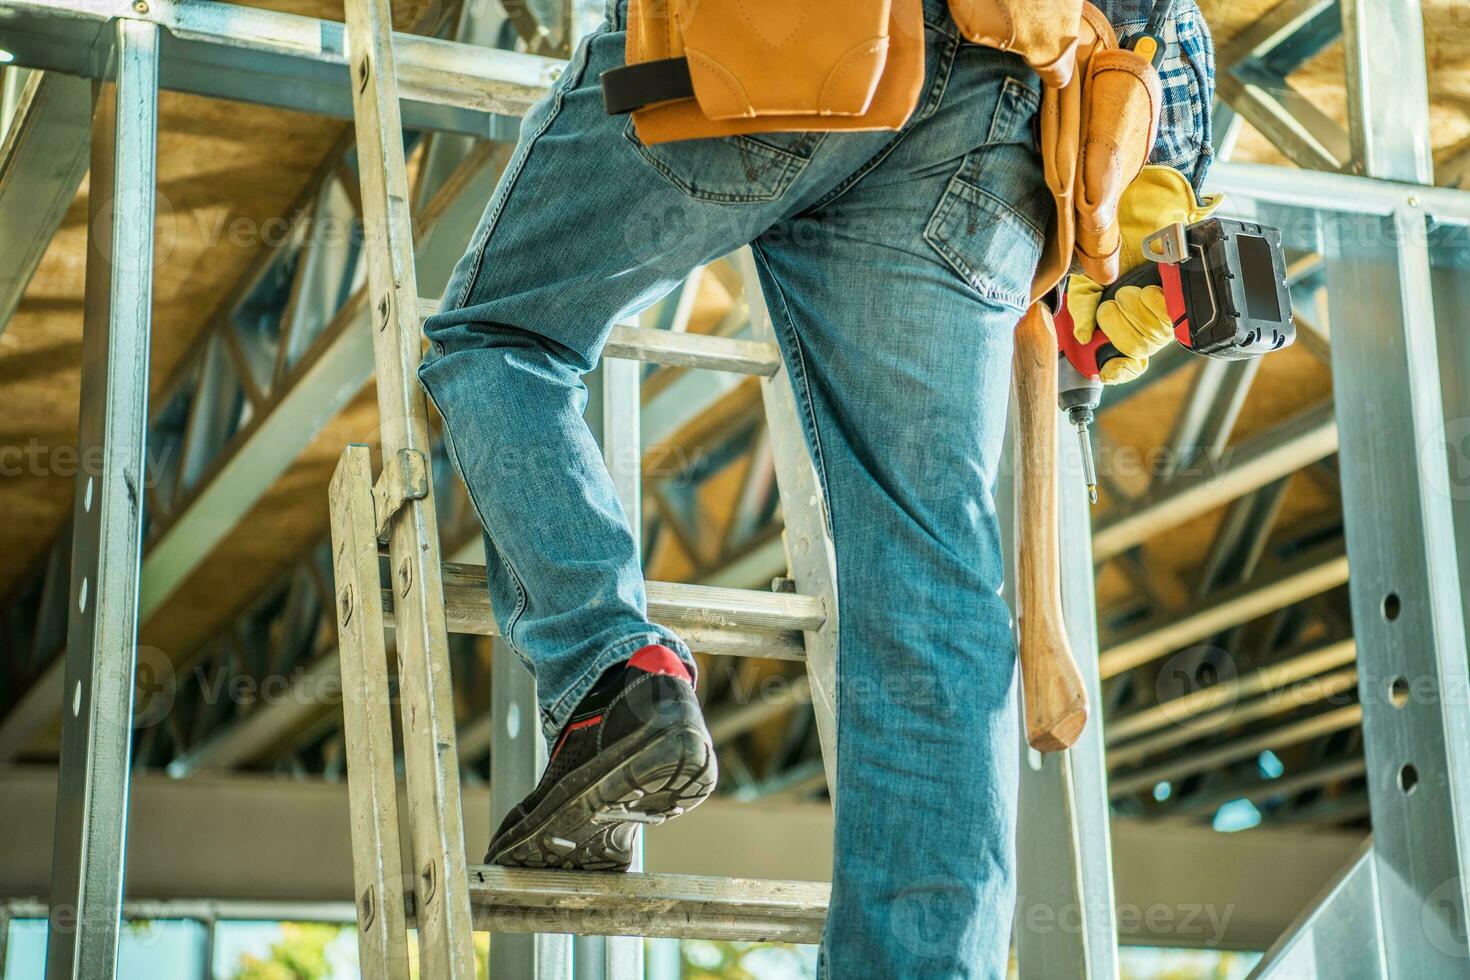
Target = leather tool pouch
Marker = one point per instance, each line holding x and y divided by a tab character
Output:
1096	134
698	68
1043	32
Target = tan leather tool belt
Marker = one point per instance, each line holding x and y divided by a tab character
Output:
759	66
702	68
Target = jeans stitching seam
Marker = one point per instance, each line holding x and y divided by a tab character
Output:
786	156
515	616
808	412
830	517
1013	91
1001	203
941	79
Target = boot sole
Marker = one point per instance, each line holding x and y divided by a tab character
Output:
670	773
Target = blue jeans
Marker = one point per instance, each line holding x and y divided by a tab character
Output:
895	266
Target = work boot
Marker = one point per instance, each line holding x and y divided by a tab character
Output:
635	751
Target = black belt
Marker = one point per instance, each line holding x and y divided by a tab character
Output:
635	86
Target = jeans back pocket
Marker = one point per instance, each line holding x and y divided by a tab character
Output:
991	221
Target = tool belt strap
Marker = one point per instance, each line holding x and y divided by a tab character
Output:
635	86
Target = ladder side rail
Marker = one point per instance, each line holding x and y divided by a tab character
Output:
431	762
372	788
810	551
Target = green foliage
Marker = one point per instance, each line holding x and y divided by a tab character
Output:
301	954
705	959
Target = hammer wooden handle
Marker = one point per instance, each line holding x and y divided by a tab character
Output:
1055	698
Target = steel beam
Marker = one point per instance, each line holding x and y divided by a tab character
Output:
1307	576
219	838
1387	89
250	54
1450	278
247	737
322	386
1263	789
1251	81
517	757
621	957
1181	711
1294	733
1336	194
1210	410
92	797
1337	685
732	720
1275	31
1240	542
1455	172
1260	460
683	401
1408	618
334	370
1305	134
42	160
1340	936
1326	811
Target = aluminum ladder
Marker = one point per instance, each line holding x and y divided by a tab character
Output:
427	598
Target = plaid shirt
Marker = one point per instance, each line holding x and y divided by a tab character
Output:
1186	140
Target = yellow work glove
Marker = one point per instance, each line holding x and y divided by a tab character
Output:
1136	320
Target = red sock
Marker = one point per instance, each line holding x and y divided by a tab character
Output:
659	659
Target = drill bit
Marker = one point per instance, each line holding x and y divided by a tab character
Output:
1089	472
1079	394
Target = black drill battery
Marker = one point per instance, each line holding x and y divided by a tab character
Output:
1225	285
1234	292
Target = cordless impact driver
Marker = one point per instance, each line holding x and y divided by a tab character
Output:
1224	284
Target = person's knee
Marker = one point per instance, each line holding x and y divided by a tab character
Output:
519	349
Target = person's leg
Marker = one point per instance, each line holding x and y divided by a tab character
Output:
580	233
895	302
587	227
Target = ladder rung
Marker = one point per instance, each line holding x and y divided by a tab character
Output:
765	644
637	904
733	622
680	604
691	350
